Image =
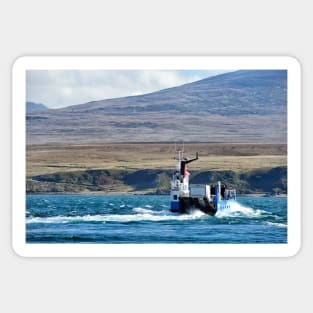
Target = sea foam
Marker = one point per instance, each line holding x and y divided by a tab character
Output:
141	215
236	209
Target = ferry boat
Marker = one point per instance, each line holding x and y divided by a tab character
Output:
187	197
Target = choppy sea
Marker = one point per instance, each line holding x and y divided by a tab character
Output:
146	219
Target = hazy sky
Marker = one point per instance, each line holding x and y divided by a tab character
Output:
60	88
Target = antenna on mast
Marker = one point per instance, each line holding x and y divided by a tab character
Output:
175	150
179	150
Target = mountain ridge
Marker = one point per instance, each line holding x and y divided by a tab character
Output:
32	106
239	106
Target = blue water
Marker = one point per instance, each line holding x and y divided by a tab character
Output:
146	219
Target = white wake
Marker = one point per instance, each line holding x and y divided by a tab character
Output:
236	209
141	214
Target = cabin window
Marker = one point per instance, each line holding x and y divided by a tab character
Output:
175	197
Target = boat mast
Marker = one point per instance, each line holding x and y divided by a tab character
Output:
180	180
181	175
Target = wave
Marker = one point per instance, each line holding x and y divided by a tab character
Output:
236	209
141	215
146	213
276	224
143	211
65	219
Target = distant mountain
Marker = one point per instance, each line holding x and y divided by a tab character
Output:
240	106
31	107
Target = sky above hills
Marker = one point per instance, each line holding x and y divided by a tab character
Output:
61	88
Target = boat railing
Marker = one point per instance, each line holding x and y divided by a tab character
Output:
230	194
